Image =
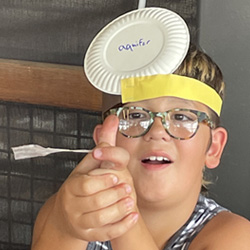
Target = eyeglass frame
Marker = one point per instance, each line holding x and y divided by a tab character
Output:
202	117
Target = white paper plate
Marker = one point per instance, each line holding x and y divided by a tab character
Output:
142	42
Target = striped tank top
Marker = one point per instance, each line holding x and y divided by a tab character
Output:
204	211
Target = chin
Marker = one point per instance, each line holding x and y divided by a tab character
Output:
152	196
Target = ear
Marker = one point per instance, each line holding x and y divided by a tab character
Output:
96	133
218	142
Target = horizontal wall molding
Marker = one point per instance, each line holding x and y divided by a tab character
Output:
47	84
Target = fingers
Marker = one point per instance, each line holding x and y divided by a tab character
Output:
87	164
105	198
96	204
112	157
108	131
108	215
85	185
88	201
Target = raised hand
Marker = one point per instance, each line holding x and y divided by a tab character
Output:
97	201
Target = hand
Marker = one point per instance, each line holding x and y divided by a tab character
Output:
97	203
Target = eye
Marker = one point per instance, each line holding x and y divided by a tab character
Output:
136	115
184	116
180	117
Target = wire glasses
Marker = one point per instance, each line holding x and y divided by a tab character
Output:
181	124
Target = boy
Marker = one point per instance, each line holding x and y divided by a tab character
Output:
141	186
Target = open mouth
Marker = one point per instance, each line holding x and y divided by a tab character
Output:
156	160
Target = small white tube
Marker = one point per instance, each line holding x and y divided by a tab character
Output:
142	4
34	150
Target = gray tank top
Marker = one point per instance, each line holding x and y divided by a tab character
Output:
204	211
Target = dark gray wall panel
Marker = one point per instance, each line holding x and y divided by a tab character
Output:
224	34
59	31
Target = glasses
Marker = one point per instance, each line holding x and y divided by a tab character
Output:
181	124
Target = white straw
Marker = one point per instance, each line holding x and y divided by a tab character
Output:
142	4
34	150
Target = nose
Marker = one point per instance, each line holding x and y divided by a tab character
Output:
157	131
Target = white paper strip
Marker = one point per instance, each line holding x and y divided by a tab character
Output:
142	4
34	150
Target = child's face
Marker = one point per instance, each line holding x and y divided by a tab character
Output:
181	177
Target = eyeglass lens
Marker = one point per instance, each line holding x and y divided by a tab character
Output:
181	124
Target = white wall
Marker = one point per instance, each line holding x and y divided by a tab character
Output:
225	36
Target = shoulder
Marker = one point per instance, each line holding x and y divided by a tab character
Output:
225	231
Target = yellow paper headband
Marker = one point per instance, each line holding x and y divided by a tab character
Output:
147	87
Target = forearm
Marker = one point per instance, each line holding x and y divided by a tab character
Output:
136	238
46	235
51	240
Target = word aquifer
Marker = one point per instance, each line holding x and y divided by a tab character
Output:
132	46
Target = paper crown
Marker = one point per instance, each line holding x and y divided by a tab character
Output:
147	87
136	54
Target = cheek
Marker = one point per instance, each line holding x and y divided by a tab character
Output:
131	145
120	140
190	165
124	142
195	151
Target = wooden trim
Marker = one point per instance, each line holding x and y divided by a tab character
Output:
47	84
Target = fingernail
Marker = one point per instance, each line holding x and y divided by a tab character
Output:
129	203
113	117
134	217
115	179
128	189
97	153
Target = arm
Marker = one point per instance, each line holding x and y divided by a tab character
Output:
233	233
136	238
225	231
46	236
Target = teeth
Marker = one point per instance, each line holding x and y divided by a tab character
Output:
157	158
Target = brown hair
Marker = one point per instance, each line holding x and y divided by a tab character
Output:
200	66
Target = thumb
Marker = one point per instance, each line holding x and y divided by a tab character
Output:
105	136
108	131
